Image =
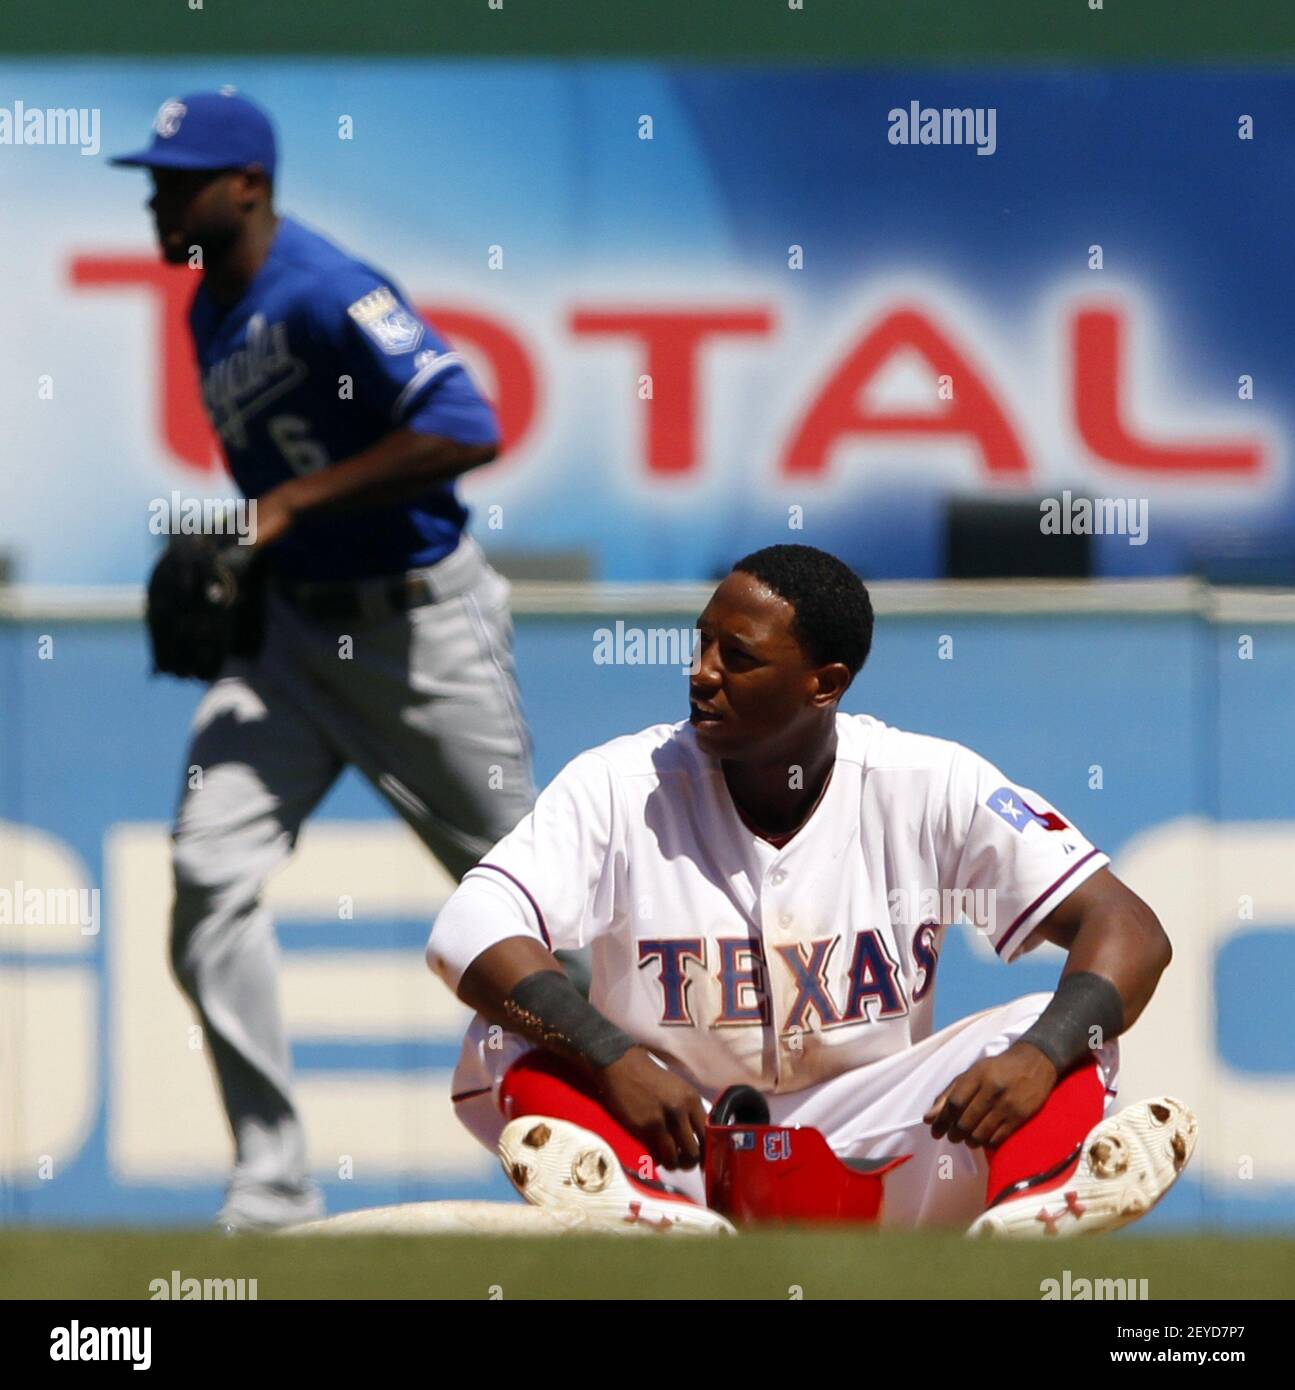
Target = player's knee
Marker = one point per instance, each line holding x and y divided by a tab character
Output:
189	907
191	872
182	957
202	895
1027	1008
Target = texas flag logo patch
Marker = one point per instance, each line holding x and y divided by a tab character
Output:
1008	803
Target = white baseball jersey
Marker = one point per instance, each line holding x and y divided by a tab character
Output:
736	961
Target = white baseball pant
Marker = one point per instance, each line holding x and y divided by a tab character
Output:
872	1112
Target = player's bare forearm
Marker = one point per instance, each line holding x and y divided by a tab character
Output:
1108	931
521	985
511	983
489	981
402	465
1116	953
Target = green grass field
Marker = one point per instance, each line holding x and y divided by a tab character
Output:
107	1264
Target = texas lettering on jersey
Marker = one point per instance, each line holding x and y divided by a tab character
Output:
735	990
742	962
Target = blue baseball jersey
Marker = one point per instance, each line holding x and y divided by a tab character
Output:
319	359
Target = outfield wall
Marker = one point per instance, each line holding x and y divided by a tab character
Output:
1176	700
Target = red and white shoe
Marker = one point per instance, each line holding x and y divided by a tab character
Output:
563	1168
1126	1165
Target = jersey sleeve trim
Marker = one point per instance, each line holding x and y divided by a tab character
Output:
1048	898
432	368
526	892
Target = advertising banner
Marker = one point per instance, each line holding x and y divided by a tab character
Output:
714	307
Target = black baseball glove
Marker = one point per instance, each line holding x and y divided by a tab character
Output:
206	602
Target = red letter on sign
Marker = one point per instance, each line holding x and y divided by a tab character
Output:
185	429
840	412
672	339
514	396
1098	357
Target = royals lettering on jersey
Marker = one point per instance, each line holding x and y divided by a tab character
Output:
742	962
320	359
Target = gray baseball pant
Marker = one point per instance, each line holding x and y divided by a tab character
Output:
425	705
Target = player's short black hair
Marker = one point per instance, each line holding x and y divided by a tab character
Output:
833	611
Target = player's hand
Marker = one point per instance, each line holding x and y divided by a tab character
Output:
993	1098
655	1106
275	513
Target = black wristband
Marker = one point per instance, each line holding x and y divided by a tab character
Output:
1084	1002
549	1008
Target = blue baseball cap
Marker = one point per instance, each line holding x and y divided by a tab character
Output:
209	130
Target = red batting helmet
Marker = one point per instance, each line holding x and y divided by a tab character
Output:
779	1174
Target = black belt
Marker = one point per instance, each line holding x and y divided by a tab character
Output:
366	598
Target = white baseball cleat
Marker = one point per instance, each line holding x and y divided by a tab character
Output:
1126	1165
563	1168
261	1208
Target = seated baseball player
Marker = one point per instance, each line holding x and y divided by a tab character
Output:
756	884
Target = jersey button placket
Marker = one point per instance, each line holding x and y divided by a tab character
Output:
777	928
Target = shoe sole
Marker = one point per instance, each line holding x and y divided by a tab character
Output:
1128	1163
562	1168
266	1218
